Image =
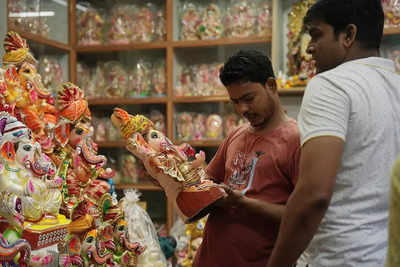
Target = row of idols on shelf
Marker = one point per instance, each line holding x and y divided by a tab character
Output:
124	23
57	198
199	80
113	79
18	17
192	126
243	18
105	131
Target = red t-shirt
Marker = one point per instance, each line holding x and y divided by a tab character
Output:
263	167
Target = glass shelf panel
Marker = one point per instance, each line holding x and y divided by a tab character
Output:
221	19
47	18
198	74
123	74
108	22
53	64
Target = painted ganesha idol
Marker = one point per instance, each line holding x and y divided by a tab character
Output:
184	181
79	151
25	90
13	252
25	172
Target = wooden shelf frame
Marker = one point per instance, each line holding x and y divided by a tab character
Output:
295	91
41	40
222	42
127	101
194	143
391	31
139	186
122	47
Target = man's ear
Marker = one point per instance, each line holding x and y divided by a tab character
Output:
271	85
350	34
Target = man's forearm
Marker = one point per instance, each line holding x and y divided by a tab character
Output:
267	210
299	223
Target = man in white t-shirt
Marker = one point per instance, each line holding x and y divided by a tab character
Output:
350	130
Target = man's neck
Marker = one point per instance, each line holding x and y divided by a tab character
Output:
279	118
362	53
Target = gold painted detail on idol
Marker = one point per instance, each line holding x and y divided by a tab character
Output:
296	37
300	66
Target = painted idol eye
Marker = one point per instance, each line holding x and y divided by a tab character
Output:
18	205
90	239
154	135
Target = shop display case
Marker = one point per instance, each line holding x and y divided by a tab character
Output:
167	64
147	68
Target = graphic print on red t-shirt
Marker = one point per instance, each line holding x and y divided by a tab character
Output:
243	170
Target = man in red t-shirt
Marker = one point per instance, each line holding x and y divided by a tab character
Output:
257	165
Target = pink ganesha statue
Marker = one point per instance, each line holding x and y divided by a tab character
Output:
183	181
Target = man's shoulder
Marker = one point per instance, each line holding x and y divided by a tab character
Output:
357	68
237	132
290	131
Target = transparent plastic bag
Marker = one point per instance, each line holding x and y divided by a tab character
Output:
191	19
240	19
90	24
120	24
116	79
141	229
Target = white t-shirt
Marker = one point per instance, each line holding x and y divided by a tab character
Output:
359	102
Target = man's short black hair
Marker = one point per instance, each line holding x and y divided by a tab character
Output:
367	15
246	66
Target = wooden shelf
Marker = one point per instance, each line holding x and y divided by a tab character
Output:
200	99
41	40
200	143
121	47
295	91
144	187
220	42
165	44
111	144
197	143
391	31
127	101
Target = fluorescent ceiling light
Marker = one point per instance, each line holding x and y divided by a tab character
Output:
61	2
64	3
31	14
81	8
